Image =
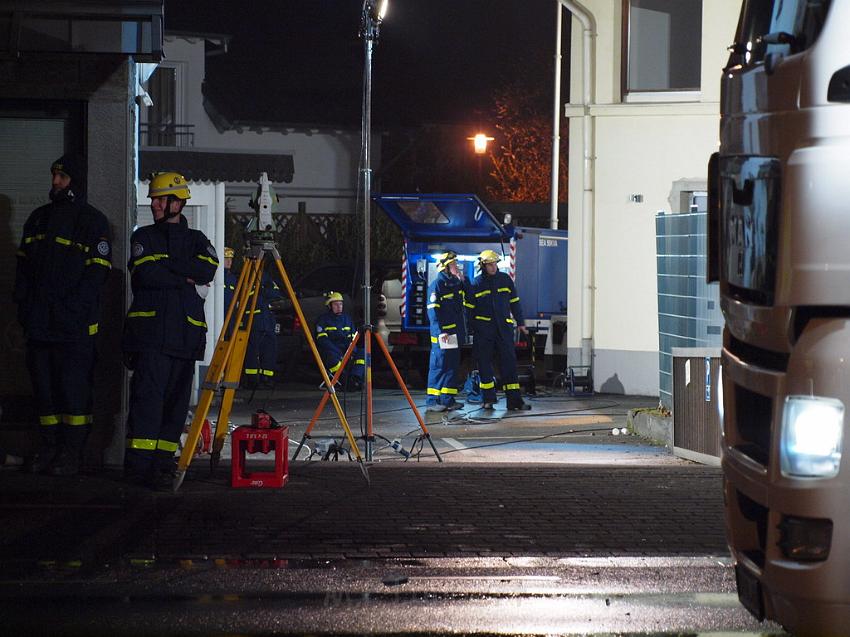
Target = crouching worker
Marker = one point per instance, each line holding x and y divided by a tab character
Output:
165	330
334	332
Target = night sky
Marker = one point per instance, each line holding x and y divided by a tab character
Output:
436	60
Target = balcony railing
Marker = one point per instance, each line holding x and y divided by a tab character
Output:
168	135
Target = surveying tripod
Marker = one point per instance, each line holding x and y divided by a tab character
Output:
225	368
370	437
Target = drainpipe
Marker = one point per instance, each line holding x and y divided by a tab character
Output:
584	16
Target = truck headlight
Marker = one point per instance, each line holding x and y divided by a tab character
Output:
812	432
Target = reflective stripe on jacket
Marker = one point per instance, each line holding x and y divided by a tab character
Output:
167	314
63	259
494	305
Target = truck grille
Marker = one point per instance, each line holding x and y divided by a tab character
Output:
749	203
753	415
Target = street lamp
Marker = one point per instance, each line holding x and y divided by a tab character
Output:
479	144
372	14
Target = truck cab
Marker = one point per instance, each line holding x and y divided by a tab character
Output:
779	225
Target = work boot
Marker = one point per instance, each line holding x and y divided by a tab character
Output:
41	461
522	406
487	406
435	408
454	406
66	463
161	481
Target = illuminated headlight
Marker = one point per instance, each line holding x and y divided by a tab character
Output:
812	430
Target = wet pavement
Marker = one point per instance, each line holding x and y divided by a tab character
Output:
540	523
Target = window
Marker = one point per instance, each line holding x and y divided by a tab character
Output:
782	27
662	45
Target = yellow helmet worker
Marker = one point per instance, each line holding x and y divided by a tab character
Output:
445	260
169	183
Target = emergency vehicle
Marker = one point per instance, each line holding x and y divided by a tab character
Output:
779	219
432	224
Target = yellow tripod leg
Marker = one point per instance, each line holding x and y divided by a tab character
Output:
235	361
220	362
330	388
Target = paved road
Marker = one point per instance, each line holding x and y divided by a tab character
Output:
589	534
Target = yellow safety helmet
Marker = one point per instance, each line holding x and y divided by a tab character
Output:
333	296
229	253
488	256
443	260
163	184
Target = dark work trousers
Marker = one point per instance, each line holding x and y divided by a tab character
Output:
443	377
159	402
261	355
490	346
62	375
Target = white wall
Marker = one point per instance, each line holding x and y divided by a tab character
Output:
640	149
325	161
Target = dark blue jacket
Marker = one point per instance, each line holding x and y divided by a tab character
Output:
63	259
264	318
334	333
167	314
446	296
494	307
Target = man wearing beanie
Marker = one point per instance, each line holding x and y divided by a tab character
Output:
64	258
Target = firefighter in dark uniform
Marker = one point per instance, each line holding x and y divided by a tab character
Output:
448	332
165	330
494	312
64	258
334	332
261	353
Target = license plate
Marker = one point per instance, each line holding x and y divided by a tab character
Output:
749	592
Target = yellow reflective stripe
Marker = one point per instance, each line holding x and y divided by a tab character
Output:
469	305
166	445
433	392
449	326
360	361
151	257
330	329
145	444
450	295
321	334
336	367
489	385
508	290
483	318
203	257
433	305
346	329
434	339
480	294
252	371
93	329
515	299
268	372
63	241
448	390
68	419
52	419
99	261
141	314
509	320
196	323
35	237
511	386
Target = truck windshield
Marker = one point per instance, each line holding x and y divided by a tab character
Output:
776	26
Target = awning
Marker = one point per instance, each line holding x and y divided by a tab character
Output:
223	167
426	217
